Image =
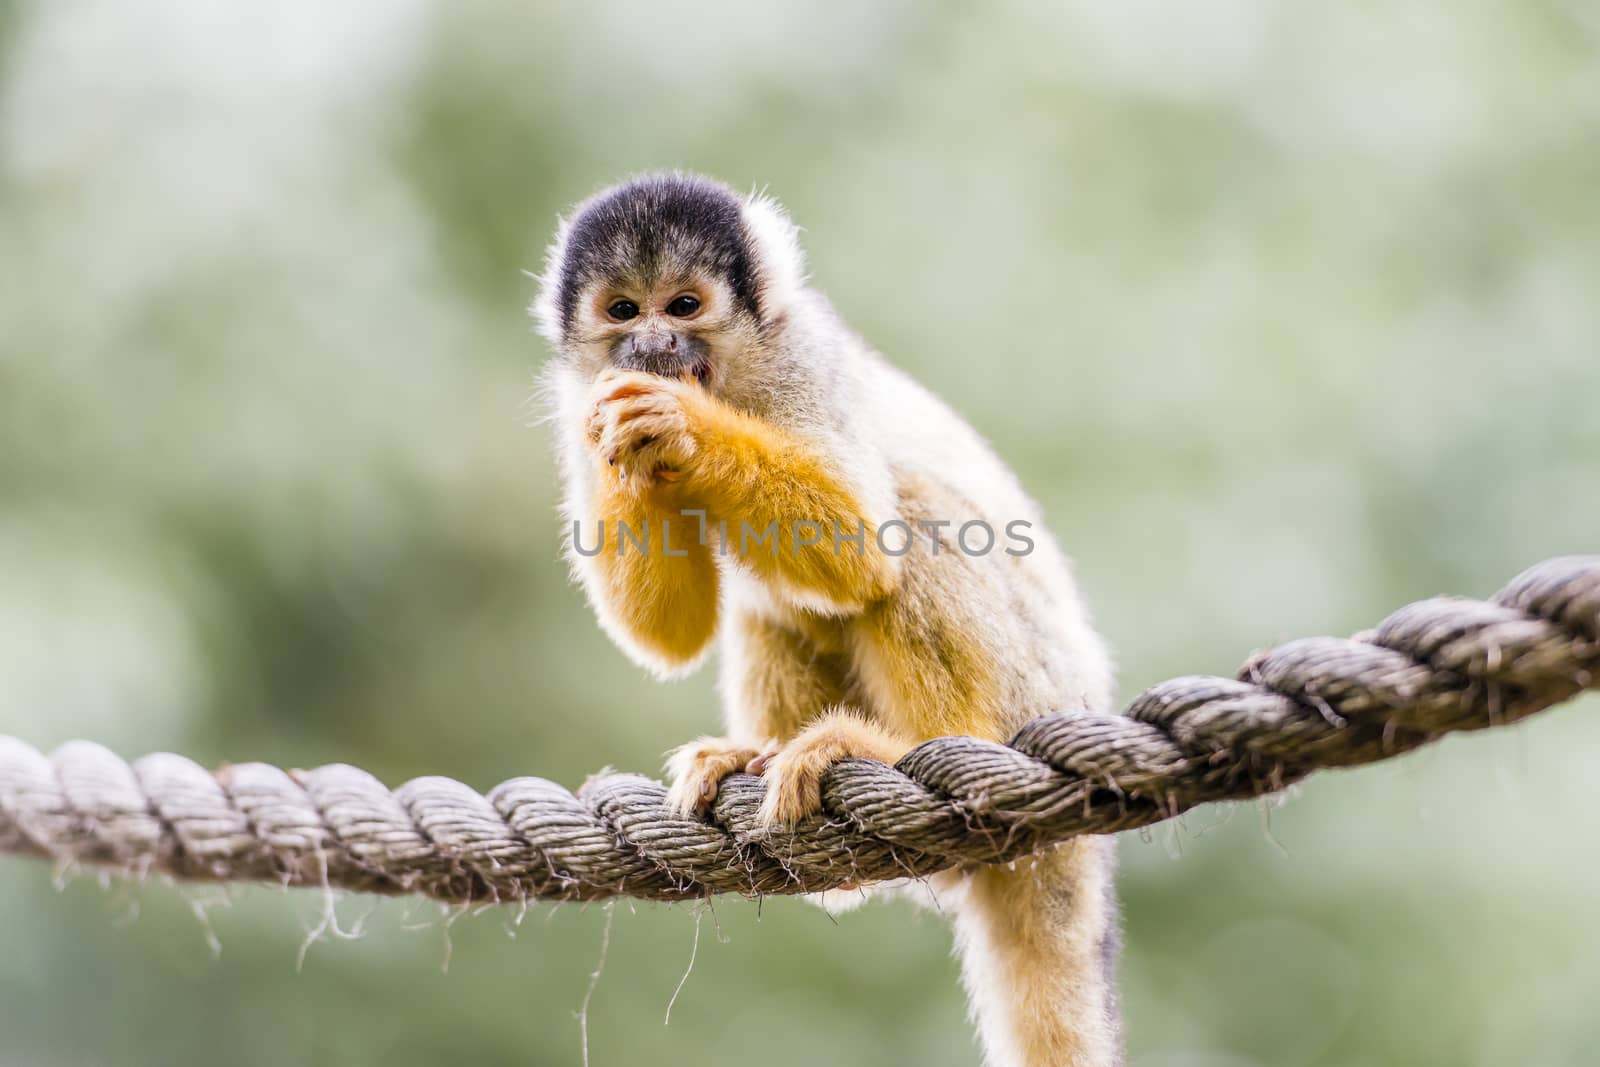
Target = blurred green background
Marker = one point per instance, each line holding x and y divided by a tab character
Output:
1287	314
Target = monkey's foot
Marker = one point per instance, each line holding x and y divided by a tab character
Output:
641	425
697	768
794	771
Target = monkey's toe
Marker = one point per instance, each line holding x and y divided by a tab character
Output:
795	771
698	768
794	785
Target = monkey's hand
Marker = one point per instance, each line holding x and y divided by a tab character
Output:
642	425
696	769
674	444
794	770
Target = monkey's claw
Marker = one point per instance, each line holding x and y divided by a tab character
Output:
698	768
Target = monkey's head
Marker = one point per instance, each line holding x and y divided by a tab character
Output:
671	274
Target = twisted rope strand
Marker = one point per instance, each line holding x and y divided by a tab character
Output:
1431	668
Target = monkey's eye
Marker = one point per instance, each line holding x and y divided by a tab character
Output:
683	307
623	310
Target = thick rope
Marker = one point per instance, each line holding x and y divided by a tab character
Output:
1431	668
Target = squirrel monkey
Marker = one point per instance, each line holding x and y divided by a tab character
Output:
745	466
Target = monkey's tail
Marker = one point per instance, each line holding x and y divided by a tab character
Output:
1039	943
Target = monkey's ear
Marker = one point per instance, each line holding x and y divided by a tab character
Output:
546	306
777	245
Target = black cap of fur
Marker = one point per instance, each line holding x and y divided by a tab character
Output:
654	222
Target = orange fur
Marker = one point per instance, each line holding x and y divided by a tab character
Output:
936	675
755	477
667	605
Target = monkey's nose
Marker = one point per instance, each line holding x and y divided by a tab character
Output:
656	352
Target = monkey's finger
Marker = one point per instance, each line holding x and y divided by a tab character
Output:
641	385
759	764
611	377
645	406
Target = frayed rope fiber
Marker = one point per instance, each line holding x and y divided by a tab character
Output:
1431	668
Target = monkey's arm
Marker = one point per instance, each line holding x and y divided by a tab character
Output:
776	493
658	602
779	502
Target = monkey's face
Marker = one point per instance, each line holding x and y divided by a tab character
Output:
671	275
678	324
